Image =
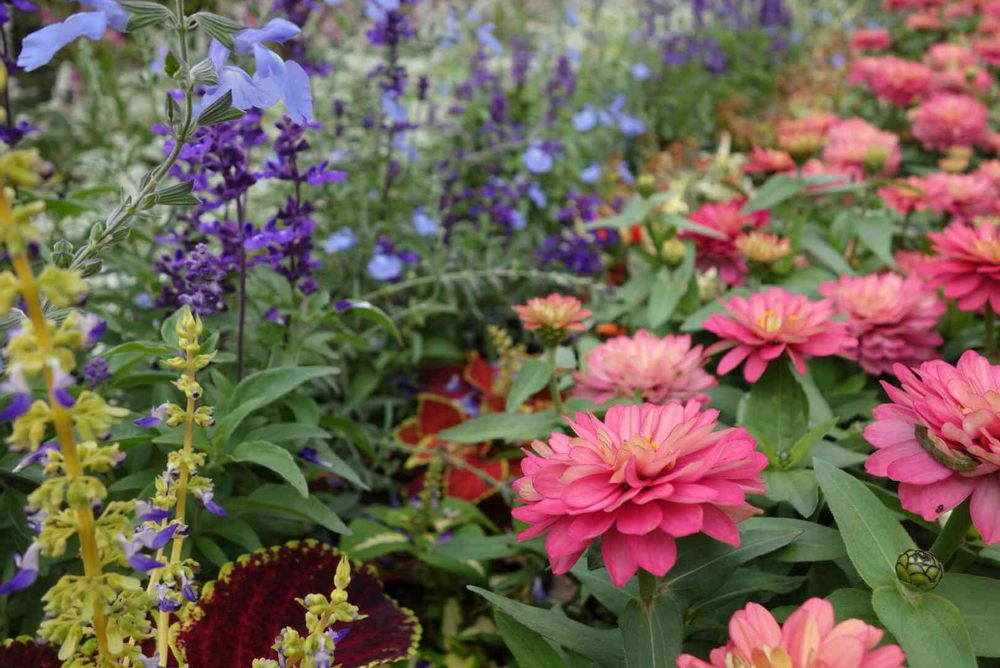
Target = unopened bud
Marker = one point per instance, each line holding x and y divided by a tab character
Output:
646	185
672	251
919	569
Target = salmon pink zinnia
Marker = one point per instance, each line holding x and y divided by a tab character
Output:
661	369
553	313
641	478
967	265
809	638
892	317
949	119
762	327
722	253
940	439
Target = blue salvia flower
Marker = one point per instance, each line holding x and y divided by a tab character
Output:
537	195
38	455
640	71
27	570
41	46
423	223
591	173
537	160
341	240
17	388
488	40
385	267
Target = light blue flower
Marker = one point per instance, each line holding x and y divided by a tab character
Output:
424	224
41	46
537	195
488	40
572	17
392	108
377	9
585	119
624	173
536	160
640	71
591	173
517	220
630	126
277	30
383	267
340	240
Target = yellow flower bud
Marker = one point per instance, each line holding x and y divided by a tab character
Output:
673	251
10	288
342	578
62	287
23	167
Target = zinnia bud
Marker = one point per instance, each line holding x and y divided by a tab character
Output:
919	569
646	185
672	251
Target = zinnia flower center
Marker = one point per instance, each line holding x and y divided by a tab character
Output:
989	248
762	657
770	322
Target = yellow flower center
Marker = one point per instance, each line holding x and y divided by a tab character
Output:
769	321
762	657
989	248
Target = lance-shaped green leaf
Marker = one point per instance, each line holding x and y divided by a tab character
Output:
977	598
928	627
777	189
532	378
272	457
652	632
529	648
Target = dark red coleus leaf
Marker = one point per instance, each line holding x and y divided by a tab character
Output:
245	609
27	654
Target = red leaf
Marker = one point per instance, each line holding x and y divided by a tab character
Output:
27	654
254	599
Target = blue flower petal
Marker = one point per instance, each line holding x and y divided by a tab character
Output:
41	46
297	93
143	562
117	16
23	579
277	30
18	406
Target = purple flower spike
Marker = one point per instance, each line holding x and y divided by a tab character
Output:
143	562
210	505
164	602
27	570
17	387
155	417
147	512
18	406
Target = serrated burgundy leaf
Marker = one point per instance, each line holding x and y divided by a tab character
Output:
251	602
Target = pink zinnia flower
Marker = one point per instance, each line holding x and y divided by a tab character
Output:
905	196
555	313
893	318
956	68
874	39
927	19
911	263
940	439
639	479
858	145
892	78
660	369
988	50
724	217
768	160
762	327
967	265
803	136
949	119
809	638
964	196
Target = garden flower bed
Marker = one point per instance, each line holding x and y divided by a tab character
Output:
367	332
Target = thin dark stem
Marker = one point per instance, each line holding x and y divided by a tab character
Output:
8	108
953	533
240	220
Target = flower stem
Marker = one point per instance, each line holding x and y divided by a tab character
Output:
557	403
991	333
63	423
953	533
163	618
647	586
240	332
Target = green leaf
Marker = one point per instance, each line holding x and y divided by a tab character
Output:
773	192
178	194
219	27
261	389
272	457
510	427
776	411
371	540
826	254
694	322
873	537
283	432
532	378
211	550
220	111
976	598
479	547
652	636
804	445
668	290
529	649
151	348
875	231
815	542
682	223
598	583
851	603
238	532
142	14
369	311
605	646
700	559
927	626
168	330
286	500
796	487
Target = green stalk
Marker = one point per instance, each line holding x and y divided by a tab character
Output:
647	586
954	531
991	333
557	404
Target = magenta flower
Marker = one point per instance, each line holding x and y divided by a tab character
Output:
721	252
809	638
641	478
940	439
892	317
762	327
945	120
660	369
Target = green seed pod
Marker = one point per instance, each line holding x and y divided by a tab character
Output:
919	569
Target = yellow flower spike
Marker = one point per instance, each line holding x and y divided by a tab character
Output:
3	75
342	578
10	289
23	167
29	429
62	287
93	416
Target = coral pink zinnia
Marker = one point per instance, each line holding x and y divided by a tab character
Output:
940	439
660	369
872	39
809	638
892	78
859	145
639	479
949	119
967	265
556	312
762	327
722	253
892	317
